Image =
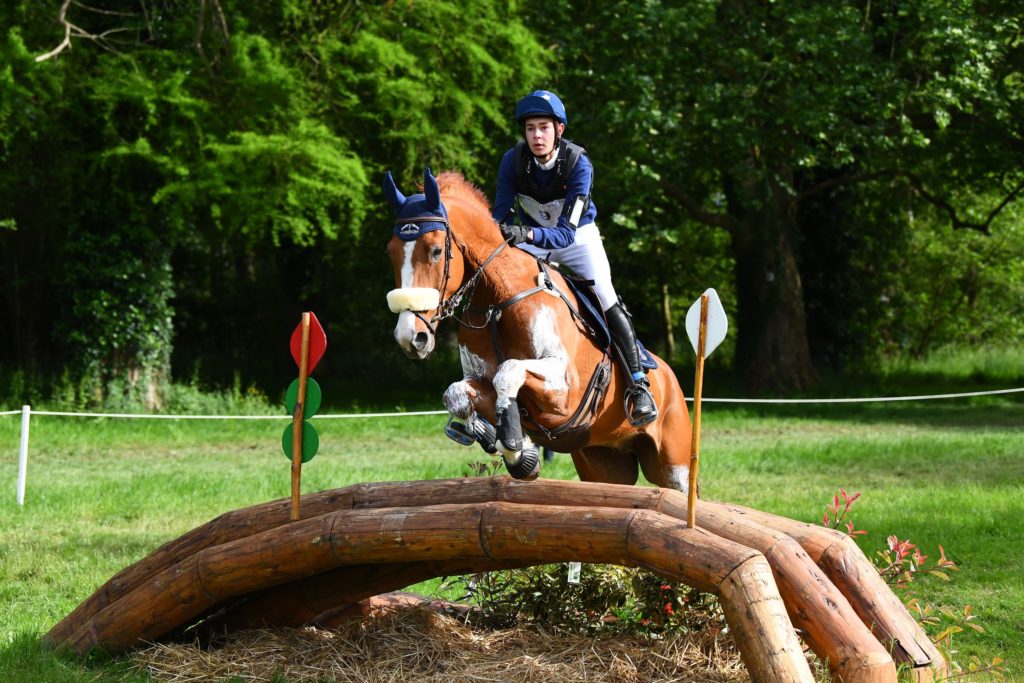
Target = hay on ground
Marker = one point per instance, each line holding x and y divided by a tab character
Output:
418	644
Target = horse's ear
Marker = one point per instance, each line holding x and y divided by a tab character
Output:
430	190
395	197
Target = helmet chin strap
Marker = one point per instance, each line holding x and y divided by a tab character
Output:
554	151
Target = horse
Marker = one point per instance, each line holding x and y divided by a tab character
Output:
530	359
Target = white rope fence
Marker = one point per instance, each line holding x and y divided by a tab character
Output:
26	413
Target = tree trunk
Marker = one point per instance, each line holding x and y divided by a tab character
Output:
772	353
666	319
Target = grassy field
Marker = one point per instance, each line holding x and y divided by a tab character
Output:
103	493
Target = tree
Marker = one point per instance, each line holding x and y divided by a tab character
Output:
743	110
168	166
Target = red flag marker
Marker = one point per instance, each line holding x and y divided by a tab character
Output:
317	343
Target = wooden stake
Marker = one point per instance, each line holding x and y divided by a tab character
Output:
698	387
297	418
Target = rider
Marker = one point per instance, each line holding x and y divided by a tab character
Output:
550	179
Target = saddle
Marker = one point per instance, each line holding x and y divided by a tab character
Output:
590	309
586	308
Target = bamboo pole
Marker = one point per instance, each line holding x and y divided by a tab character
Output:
698	388
297	418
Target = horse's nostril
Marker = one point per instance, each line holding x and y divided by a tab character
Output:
420	342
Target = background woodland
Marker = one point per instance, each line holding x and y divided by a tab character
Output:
179	179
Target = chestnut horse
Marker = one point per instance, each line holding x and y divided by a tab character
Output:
525	346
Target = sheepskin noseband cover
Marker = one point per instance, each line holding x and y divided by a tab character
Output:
413	299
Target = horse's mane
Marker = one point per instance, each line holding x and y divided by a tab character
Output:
452	184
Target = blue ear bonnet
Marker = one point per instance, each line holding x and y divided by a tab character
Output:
416	214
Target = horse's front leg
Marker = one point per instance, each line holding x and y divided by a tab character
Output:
545	378
469	399
465	401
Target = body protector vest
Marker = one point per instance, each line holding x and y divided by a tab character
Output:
546	204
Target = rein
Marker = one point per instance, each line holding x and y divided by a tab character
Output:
448	306
492	313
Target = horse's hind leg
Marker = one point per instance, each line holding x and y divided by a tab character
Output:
666	463
605	464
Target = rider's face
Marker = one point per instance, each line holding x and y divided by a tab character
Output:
540	135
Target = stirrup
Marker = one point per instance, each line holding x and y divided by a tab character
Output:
484	432
630	402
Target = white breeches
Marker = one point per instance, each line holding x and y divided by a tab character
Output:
587	258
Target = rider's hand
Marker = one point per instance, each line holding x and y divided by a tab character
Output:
515	234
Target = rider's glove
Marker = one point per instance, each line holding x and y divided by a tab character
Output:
515	234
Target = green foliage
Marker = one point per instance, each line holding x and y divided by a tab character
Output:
951	288
184	178
743	113
606	598
161	176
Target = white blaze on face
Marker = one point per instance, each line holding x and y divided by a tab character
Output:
405	330
407	271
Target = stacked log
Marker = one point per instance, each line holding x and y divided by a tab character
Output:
253	567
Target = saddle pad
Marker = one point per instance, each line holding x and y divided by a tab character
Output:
590	308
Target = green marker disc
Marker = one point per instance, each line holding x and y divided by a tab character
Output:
310	441
313	398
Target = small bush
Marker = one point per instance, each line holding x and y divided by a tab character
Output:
607	598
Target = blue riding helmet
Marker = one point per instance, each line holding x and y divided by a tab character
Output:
541	103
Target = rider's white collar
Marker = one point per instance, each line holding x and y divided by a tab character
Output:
547	166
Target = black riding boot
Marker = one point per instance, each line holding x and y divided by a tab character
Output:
640	406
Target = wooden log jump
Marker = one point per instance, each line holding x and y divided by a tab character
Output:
252	567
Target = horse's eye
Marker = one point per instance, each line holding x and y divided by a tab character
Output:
435	253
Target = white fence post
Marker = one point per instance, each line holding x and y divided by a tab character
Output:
26	411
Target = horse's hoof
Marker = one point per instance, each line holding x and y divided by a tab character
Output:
458	432
527	467
484	432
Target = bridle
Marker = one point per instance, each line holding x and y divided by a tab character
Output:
448	307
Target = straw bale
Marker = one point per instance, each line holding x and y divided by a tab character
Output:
419	644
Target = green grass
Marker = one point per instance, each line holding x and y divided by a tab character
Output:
103	493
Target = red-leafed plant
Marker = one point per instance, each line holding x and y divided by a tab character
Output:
899	564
